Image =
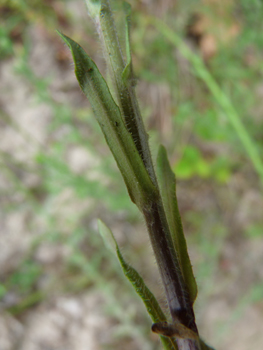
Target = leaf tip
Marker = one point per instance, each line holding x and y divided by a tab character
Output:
107	236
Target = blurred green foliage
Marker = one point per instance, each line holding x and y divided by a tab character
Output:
25	277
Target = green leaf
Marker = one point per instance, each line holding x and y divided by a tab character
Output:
149	300
119	140
123	82
167	183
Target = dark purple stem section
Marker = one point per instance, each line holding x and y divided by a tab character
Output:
176	292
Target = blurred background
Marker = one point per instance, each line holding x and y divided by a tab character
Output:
60	288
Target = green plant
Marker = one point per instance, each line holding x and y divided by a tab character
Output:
153	193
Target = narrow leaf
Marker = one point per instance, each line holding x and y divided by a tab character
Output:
123	83
149	300
167	184
119	140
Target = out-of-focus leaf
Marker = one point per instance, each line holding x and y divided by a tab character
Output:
149	300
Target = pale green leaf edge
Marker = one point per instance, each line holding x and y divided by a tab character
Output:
149	300
127	72
167	183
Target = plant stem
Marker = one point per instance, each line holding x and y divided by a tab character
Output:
177	295
175	287
125	134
